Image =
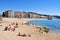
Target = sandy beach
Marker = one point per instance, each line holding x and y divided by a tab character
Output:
23	28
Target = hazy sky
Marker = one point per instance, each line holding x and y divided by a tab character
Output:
51	7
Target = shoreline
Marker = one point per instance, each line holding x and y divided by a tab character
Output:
50	31
40	26
24	29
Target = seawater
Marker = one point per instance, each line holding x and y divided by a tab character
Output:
53	25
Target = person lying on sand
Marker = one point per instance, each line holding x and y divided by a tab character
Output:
9	27
24	35
6	28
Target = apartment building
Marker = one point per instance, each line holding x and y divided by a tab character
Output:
7	13
18	14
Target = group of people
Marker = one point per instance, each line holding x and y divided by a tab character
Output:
11	28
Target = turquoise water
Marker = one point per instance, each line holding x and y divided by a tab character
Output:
53	25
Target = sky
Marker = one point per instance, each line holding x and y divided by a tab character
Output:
49	7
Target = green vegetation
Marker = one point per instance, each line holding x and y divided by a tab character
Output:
46	29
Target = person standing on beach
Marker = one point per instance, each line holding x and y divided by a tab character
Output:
16	25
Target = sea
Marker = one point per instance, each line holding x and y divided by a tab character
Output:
53	25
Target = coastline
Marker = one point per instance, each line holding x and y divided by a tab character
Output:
50	32
27	29
32	24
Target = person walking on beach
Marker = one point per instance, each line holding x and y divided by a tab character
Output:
16	25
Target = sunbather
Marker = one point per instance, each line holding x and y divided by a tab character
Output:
6	28
9	27
24	35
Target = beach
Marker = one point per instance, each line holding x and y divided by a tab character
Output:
24	28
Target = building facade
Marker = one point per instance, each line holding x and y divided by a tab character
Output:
7	13
26	15
17	14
